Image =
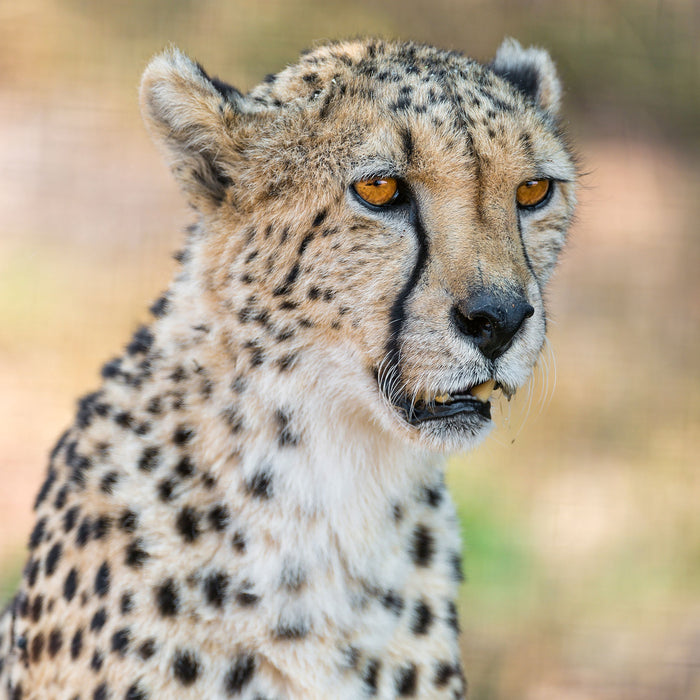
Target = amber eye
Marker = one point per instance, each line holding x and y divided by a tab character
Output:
377	191
532	192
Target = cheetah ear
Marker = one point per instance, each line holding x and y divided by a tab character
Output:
193	119
531	71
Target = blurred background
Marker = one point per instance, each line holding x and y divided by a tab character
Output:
581	513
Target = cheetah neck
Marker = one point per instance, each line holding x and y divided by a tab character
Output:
300	440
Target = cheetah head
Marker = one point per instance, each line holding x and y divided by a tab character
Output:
379	219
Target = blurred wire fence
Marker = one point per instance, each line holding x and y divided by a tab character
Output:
580	515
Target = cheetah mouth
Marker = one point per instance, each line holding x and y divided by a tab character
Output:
473	400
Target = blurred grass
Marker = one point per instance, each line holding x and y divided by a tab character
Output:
579	515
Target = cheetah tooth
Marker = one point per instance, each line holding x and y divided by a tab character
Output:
483	391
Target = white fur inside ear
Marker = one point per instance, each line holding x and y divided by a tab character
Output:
531	71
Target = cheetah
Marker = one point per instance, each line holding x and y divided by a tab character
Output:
252	505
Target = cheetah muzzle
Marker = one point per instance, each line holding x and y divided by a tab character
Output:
252	504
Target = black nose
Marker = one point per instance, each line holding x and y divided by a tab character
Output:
491	319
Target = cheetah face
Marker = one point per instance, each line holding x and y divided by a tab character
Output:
394	212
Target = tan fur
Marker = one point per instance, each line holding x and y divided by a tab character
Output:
248	506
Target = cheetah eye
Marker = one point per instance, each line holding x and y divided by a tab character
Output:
532	192
378	191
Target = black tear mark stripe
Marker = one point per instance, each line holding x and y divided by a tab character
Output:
398	310
530	267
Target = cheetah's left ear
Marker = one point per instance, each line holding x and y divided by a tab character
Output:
195	120
531	71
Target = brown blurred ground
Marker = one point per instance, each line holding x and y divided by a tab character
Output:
580	514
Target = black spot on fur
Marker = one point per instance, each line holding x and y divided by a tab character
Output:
124	419
406	681
70	585
370	676
61	497
165	489
84	531
432	495
141	342
452	617
108	481
70	518
120	640
76	644
257	355
86	408
184	467
101	527
305	242
422	618
148	460
36	608
102	580
178	374
215	587
147	649
167	598
182	435
128	521
38	533
155	405
293	630
160	307
136	692
186	667
126	604
112	369
422	546
393	601
45	487
457	571
285	436
320	218
97	661
135	554
287	361
32	571
52	558
219	517
234	419
260	484
187	524
247	599
289	281
443	673
55	642
98	620
240	674
238	542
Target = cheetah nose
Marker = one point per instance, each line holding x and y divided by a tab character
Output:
491	319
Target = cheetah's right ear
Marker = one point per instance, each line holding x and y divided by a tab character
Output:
193	120
531	71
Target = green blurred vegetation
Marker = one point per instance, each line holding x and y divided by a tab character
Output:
579	515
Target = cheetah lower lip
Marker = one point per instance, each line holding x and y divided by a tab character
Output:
427	407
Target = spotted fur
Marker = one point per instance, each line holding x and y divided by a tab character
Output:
244	508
